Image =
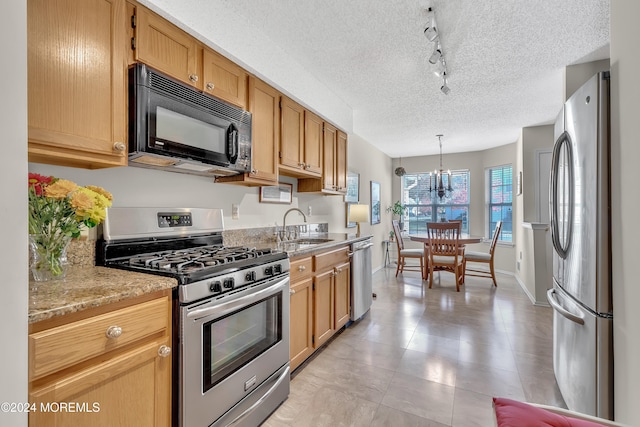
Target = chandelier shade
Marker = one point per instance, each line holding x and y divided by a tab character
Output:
439	180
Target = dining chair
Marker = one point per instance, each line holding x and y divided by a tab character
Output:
483	257
403	253
445	252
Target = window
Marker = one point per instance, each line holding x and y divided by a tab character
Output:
424	206
500	201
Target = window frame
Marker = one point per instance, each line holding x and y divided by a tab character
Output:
489	205
435	204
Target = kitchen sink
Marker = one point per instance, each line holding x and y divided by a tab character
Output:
311	241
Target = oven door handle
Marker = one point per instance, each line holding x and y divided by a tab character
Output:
252	408
220	309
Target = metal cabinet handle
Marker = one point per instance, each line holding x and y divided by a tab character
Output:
119	146
301	268
193	77
164	351
210	86
291	291
113	331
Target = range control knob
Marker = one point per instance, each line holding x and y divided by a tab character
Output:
277	269
268	271
228	283
250	276
215	286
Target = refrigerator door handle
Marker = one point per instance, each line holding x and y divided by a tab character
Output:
561	249
557	307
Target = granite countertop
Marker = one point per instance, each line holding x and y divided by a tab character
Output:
88	286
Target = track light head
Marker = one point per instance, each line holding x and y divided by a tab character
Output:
436	55
445	88
431	33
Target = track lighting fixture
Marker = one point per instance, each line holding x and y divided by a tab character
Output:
432	34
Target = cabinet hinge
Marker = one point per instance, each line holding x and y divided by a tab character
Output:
133	43
280	154
280	104
313	287
133	21
313	339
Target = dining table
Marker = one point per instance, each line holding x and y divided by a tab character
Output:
463	239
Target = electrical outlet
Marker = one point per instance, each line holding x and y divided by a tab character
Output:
520	254
309	210
235	211
518	265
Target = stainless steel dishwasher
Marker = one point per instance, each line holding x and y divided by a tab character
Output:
361	280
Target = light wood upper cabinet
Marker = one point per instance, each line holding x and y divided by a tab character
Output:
165	47
76	52
300	142
264	105
292	136
334	161
341	162
313	142
224	79
126	374
329	158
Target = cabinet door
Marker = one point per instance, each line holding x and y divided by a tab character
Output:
301	325
313	143
292	141
224	79
264	105
131	389
165	47
323	308
329	157
341	162
76	58
342	284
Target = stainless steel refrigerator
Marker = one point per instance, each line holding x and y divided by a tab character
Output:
580	232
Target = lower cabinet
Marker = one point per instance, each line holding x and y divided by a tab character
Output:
103	368
320	300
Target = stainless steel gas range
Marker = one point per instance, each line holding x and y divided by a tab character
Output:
231	311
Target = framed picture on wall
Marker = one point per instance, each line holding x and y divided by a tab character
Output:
375	202
281	193
353	188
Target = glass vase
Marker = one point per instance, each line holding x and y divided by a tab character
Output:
48	256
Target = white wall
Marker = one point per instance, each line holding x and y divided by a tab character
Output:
625	174
13	215
531	255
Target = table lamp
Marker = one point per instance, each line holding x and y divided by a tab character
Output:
358	214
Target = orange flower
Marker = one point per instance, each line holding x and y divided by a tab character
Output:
60	189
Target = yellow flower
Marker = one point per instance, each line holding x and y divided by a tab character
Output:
81	201
60	189
101	191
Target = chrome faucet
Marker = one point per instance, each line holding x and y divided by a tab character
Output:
284	220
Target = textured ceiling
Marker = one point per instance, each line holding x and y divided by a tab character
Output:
505	61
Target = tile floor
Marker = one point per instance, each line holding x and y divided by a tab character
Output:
428	357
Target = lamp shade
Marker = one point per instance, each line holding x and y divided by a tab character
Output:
359	213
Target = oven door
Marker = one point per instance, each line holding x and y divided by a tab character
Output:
232	346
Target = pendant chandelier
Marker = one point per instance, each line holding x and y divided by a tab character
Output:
400	170
438	186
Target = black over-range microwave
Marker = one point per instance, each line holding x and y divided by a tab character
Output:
174	127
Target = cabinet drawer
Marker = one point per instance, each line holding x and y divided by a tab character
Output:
331	258
300	268
57	348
